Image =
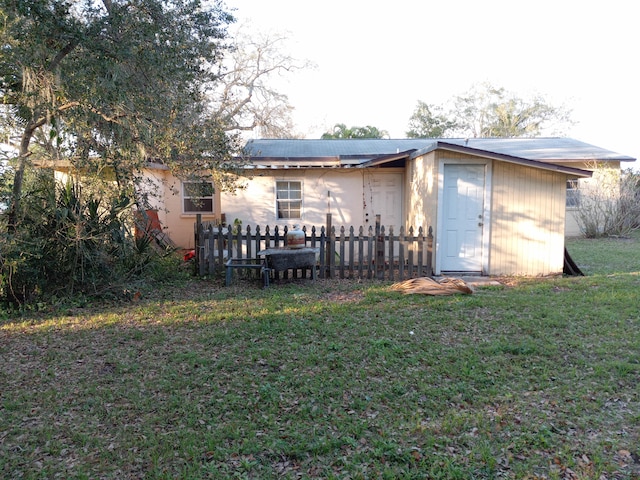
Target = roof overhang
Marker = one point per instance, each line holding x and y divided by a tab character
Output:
293	162
386	159
452	147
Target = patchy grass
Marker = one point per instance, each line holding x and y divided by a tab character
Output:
334	379
606	256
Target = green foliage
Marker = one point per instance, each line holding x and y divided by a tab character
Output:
71	240
101	88
340	131
428	121
113	85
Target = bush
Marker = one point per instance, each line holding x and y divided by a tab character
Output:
70	242
609	203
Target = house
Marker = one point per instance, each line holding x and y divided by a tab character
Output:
496	206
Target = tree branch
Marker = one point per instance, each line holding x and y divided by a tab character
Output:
63	53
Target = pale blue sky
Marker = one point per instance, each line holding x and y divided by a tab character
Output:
375	60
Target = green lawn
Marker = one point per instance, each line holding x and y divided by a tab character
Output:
538	378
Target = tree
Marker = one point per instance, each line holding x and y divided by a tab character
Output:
340	131
428	121
244	99
488	111
113	83
106	86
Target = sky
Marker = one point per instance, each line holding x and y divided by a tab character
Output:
373	61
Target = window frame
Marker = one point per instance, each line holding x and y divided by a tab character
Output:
289	201
573	193
192	199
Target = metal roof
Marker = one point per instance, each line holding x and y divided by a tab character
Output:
279	153
360	148
544	149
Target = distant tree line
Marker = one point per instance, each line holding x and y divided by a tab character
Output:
484	111
341	131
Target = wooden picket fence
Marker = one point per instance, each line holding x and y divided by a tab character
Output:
372	253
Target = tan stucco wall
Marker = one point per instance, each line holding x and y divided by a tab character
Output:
343	193
165	195
346	194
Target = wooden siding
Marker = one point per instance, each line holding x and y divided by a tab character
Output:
422	188
527	221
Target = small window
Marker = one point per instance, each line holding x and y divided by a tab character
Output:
197	197
289	199
573	193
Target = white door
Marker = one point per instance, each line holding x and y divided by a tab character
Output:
462	221
383	196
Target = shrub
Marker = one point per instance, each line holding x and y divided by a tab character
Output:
609	203
70	240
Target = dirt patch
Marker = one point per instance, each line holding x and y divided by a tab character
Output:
344	297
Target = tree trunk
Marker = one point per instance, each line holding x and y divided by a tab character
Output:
24	154
14	208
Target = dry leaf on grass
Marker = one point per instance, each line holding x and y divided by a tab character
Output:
429	286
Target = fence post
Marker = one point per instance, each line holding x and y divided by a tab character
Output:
412	249
332	252
402	242
430	252
267	237
370	255
351	251
211	251
342	239
304	270
229	236
199	246
249	250
238	239
257	239
220	244
391	253
360	252
323	253
420	241
379	249
329	257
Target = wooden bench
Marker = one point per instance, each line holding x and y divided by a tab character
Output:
248	263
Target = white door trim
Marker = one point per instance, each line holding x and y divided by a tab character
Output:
486	220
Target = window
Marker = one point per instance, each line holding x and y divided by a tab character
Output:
573	193
289	199
197	197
